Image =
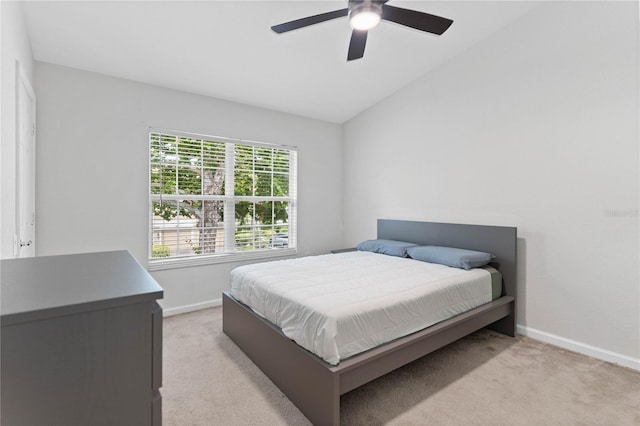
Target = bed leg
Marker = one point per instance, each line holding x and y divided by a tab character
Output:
316	396
506	325
327	415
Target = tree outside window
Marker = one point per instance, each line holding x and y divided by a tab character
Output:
211	196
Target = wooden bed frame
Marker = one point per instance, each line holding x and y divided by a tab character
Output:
315	386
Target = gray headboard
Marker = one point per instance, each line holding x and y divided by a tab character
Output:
497	240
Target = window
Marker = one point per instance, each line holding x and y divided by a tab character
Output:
215	199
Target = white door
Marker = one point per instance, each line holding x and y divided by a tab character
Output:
26	166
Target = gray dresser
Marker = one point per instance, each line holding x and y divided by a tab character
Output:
81	341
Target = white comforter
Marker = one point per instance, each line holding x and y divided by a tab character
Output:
338	305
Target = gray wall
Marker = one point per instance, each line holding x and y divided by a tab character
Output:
534	127
92	183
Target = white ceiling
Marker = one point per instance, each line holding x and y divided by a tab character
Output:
225	49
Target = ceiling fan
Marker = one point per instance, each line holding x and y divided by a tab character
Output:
366	14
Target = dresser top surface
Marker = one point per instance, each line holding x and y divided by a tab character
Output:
41	287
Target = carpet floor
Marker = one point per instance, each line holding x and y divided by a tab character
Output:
483	379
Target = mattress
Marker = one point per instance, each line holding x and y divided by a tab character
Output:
339	305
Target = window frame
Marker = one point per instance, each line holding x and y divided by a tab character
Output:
228	255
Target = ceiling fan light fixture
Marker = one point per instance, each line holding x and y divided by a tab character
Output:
365	16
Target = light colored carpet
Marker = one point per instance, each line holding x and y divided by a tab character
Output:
483	379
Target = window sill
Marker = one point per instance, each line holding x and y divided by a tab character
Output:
163	264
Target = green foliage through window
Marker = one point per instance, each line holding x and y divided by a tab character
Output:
203	190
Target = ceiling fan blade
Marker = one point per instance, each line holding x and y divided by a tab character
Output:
414	19
310	20
357	44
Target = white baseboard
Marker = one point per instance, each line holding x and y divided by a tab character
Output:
571	345
190	308
582	348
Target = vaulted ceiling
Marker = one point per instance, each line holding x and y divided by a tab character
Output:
225	49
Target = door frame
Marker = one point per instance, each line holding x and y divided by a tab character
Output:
22	81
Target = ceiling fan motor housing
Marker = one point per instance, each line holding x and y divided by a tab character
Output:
359	6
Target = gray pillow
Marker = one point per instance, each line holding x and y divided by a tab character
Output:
450	256
389	247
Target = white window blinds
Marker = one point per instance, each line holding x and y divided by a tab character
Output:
212	197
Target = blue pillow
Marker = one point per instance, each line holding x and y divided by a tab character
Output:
450	256
390	247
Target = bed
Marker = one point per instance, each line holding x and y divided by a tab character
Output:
315	386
